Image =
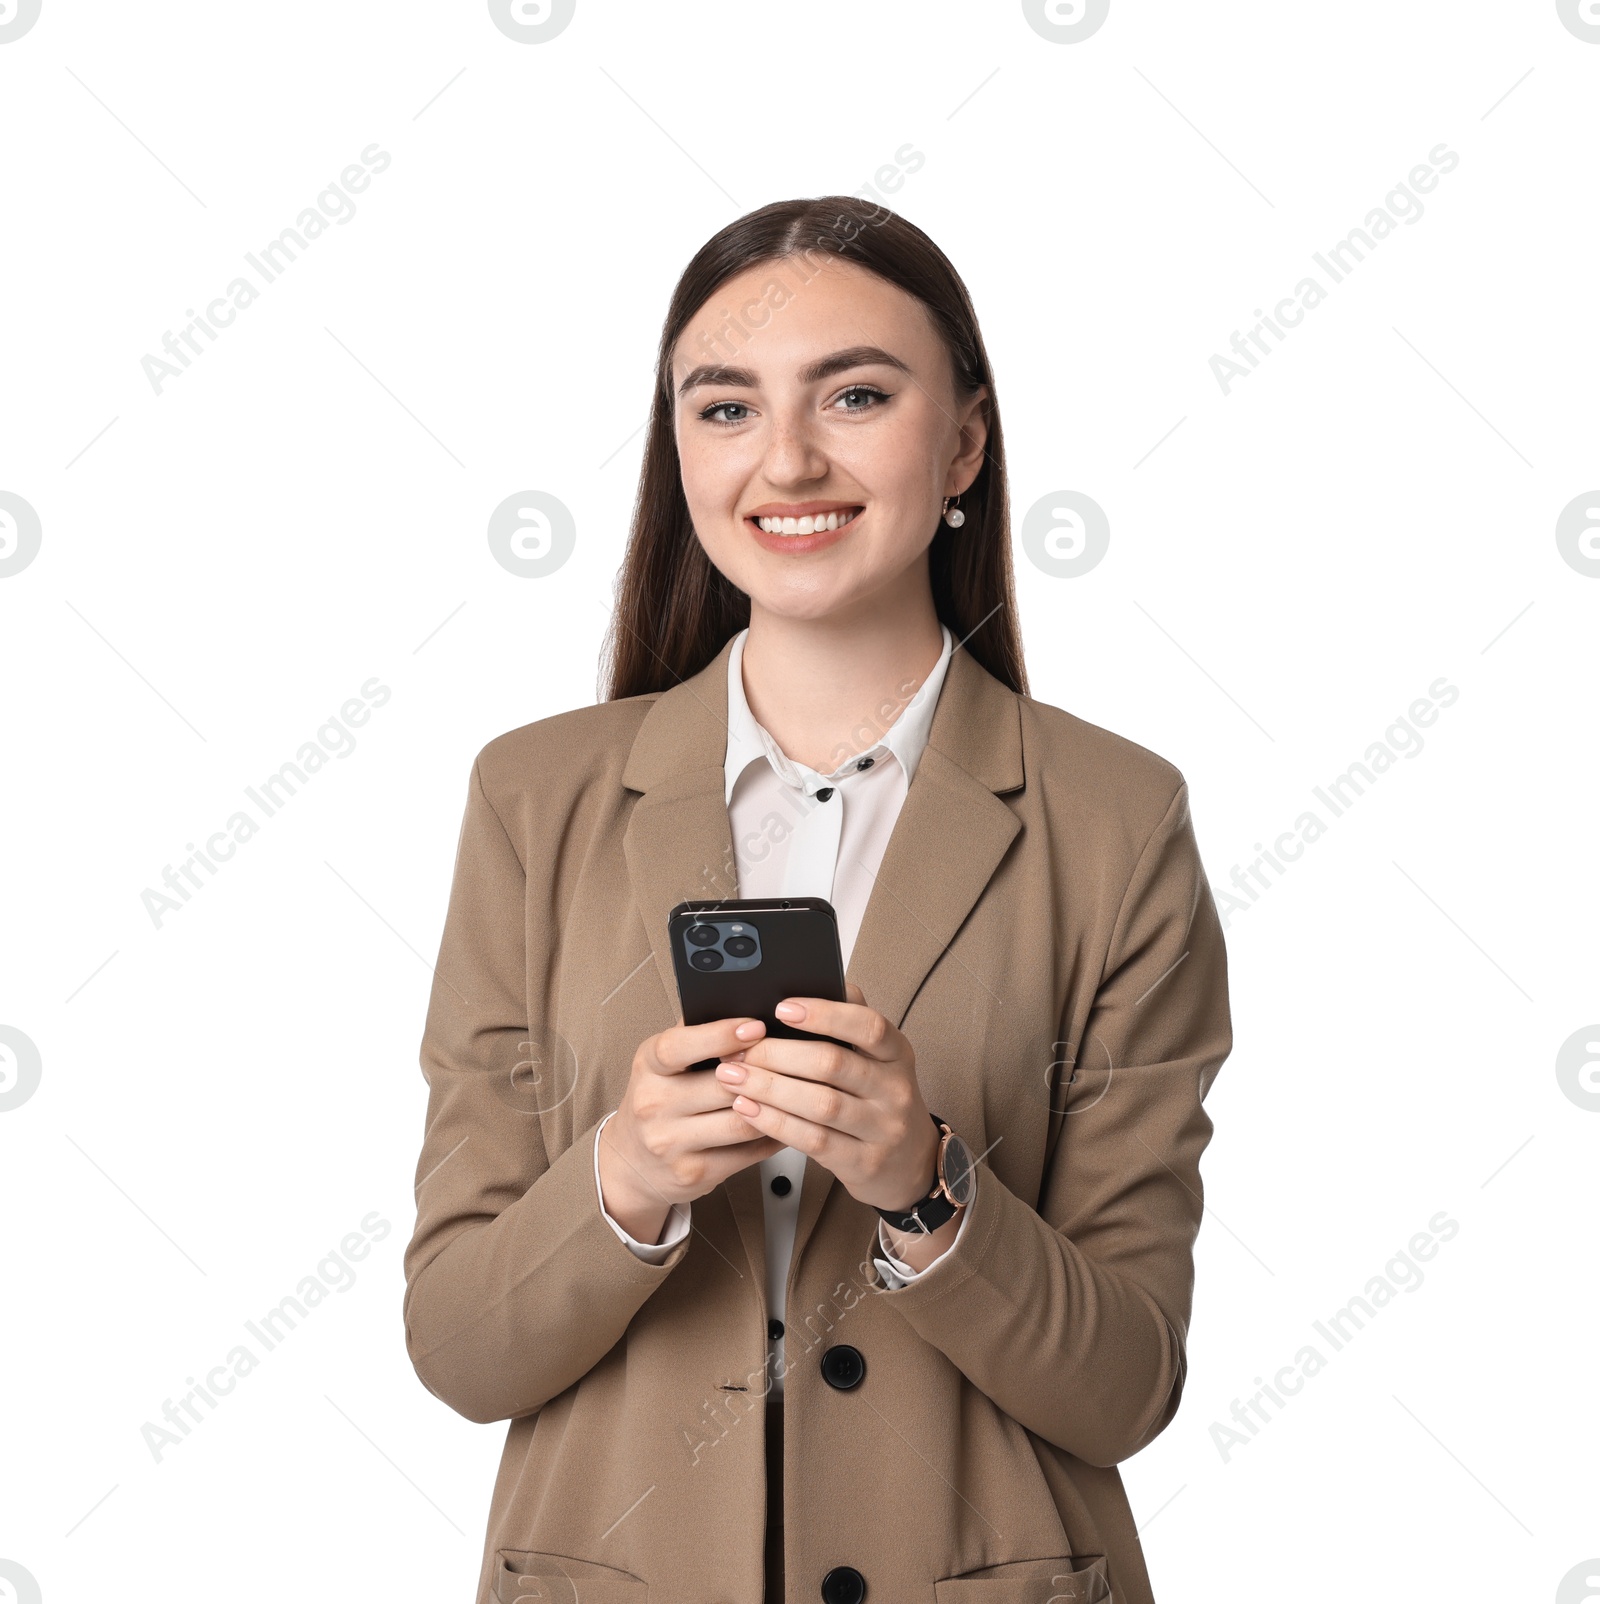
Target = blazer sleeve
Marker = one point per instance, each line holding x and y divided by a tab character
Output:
516	1285
1072	1315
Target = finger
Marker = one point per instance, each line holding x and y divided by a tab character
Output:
684	1103
864	1028
722	1128
821	1061
693	1096
853	993
728	1135
824	1143
683	1045
816	1103
714	1129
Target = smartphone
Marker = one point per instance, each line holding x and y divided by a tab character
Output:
740	957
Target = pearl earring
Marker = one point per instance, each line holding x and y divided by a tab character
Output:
953	516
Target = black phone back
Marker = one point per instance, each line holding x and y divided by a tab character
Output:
741	957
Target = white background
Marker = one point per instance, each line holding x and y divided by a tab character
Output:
225	1097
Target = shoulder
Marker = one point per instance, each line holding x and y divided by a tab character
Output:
1093	775
560	756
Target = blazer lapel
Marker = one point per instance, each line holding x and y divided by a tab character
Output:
948	840
679	846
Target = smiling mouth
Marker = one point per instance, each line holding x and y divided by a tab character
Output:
808	525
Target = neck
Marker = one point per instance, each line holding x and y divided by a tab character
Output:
825	689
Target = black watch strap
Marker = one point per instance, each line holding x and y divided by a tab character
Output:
931	1210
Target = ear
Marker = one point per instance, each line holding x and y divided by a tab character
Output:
968	460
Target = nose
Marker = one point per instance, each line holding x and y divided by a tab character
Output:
794	454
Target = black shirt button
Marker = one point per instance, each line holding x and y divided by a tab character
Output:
824	793
774	1329
780	1185
865	763
844	1584
843	1367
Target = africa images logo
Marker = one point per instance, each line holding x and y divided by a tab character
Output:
20	534
16	17
532	22
1066	22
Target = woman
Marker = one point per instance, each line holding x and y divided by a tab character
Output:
735	1367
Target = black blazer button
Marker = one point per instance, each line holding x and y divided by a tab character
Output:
824	793
843	1367
774	1329
844	1584
780	1185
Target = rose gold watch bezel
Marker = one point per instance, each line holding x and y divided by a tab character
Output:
940	1188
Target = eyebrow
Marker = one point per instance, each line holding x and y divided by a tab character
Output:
856	356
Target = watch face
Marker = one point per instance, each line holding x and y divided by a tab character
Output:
958	1169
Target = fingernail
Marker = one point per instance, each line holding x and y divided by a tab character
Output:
730	1072
792	1011
744	1105
749	1030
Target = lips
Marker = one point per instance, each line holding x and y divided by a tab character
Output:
795	528
806	523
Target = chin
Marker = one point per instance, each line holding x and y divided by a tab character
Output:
805	606
827	584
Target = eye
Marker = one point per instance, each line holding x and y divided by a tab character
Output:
869	394
708	415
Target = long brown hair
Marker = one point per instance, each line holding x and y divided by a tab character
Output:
674	610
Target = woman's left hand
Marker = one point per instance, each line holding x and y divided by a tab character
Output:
858	1111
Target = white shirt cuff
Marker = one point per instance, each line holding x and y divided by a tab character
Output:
677	1219
897	1274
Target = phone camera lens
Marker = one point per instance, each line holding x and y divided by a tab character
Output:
740	946
706	960
703	936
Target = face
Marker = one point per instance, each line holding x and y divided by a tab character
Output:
839	409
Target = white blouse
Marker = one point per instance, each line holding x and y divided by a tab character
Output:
790	842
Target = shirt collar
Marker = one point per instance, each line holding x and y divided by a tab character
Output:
905	739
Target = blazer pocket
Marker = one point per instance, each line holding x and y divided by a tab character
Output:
523	1576
1075	1579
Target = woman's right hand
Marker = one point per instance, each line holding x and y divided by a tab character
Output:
675	1134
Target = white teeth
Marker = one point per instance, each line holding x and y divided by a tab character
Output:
808	525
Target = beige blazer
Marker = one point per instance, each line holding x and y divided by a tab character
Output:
1042	931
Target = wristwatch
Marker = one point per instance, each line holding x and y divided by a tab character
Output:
952	1186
